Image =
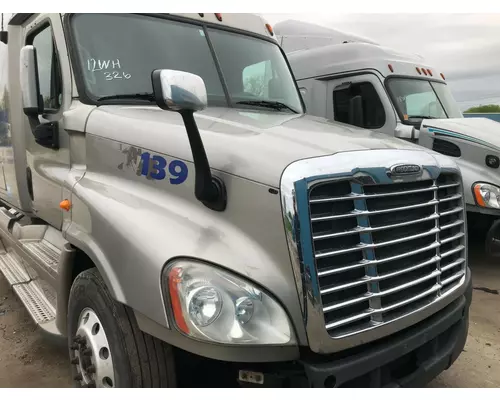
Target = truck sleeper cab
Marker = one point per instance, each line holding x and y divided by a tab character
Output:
173	214
377	88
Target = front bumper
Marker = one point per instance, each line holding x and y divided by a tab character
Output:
410	358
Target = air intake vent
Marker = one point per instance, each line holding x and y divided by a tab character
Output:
446	148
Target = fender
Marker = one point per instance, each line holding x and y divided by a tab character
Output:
131	226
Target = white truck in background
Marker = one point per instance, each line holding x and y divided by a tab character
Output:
360	83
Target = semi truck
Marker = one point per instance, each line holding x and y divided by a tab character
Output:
378	88
176	218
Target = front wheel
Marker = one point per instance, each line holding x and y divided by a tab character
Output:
106	347
493	240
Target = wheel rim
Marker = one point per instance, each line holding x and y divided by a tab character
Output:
91	354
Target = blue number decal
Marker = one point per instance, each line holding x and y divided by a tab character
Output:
145	163
158	172
154	168
179	171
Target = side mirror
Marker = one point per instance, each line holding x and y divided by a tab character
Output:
179	91
30	87
356	111
406	132
186	93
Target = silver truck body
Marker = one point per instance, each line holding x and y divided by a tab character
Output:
133	226
321	69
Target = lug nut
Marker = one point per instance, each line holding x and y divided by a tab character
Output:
87	352
80	340
78	377
91	369
75	360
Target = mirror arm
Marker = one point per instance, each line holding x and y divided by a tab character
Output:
208	189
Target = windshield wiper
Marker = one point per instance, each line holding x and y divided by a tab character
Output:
422	116
139	96
276	105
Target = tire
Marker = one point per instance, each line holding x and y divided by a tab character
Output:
137	359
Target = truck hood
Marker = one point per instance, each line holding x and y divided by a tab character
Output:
252	144
482	131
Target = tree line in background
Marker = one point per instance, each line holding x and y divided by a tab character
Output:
488	108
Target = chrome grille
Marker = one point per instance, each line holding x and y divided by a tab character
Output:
383	251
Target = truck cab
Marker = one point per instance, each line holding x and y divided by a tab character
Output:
172	214
378	88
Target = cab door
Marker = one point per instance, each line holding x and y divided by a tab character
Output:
376	108
47	167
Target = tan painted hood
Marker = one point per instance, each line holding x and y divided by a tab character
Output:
251	144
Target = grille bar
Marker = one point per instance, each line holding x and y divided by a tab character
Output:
362	246
362	229
453	278
384	250
375	212
365	314
355	196
373	262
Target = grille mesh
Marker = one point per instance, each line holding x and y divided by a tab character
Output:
384	251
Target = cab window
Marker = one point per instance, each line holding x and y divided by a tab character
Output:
372	109
49	73
256	79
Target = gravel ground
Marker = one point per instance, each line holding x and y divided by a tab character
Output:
28	359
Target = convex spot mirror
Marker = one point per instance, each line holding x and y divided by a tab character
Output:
179	91
30	86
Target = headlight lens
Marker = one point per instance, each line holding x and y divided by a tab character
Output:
487	195
211	304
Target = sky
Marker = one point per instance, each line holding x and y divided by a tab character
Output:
465	47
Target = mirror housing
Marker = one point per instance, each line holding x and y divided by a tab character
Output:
30	87
179	91
406	132
356	111
186	93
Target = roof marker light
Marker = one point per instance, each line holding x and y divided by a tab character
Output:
419	71
429	71
390	67
218	16
442	76
270	29
424	71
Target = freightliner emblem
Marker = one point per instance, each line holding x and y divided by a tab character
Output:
406	169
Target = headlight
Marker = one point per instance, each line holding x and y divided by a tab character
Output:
487	195
213	305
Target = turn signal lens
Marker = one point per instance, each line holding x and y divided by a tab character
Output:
487	195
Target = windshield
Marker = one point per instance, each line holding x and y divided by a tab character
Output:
117	54
416	99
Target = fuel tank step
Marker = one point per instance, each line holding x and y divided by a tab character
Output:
44	252
13	269
35	302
